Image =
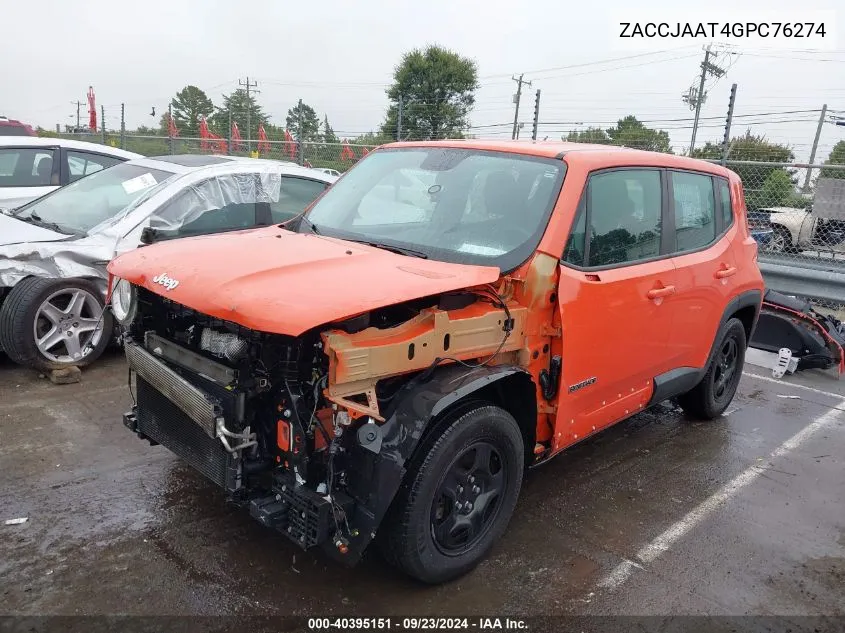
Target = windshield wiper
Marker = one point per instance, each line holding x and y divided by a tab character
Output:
36	219
410	252
311	226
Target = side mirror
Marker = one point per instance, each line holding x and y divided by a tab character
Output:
148	235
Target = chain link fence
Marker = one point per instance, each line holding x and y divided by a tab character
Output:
336	156
796	211
800	203
797	214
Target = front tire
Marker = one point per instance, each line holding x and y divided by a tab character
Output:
457	498
710	397
54	323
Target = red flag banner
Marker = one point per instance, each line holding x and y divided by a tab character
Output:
290	145
263	143
236	137
92	110
346	154
204	135
172	130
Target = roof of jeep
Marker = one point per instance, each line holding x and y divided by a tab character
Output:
594	155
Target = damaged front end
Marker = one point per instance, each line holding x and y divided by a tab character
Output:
800	336
311	433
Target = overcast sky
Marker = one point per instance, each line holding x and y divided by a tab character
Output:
339	56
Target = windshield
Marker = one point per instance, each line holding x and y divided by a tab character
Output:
92	200
457	205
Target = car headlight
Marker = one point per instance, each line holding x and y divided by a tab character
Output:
124	301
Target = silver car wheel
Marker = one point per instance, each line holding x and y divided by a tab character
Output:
778	242
68	325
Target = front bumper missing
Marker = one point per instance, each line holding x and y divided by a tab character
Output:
304	516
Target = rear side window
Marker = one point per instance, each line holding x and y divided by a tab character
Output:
80	164
725	198
695	210
26	167
624	211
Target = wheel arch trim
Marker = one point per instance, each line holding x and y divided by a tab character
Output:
418	406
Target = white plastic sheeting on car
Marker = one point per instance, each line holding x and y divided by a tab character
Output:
218	193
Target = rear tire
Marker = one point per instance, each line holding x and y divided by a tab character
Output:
712	395
457	498
54	323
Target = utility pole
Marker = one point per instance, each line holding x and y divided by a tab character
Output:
103	122
519	83
727	139
301	153
399	119
78	105
815	147
122	125
249	86
695	97
536	116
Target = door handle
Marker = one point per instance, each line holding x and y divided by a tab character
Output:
725	272
657	293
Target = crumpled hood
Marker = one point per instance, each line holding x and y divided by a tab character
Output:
14	231
273	280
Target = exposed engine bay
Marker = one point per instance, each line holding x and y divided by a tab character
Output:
294	427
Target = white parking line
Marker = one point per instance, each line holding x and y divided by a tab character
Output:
652	551
791	384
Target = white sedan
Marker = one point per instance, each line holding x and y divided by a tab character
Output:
31	166
54	250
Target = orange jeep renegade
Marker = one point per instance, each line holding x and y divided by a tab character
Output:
385	366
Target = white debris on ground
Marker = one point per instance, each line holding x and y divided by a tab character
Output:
16	521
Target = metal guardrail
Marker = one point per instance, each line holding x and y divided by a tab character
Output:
823	281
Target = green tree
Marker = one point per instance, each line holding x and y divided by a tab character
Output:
238	104
302	120
837	157
755	148
747	147
371	139
777	190
631	132
437	88
143	130
590	135
328	132
189	105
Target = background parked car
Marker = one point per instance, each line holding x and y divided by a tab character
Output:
13	127
329	171
33	166
54	250
818	227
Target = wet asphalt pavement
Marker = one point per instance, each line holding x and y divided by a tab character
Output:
658	515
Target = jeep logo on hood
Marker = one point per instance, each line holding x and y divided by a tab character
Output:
167	282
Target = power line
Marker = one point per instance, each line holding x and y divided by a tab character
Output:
594	63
